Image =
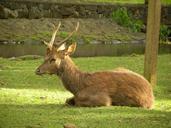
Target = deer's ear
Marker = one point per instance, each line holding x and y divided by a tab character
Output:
62	47
71	49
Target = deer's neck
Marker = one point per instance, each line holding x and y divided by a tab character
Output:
71	76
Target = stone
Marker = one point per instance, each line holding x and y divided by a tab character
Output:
76	14
47	13
34	12
12	58
13	42
31	9
55	11
82	11
116	42
67	11
95	42
18	42
7	13
137	41
5	42
23	11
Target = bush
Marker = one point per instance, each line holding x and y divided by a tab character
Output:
122	17
164	32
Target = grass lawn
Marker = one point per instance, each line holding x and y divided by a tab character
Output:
30	101
105	1
125	1
99	1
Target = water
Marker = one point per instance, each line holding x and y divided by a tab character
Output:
84	50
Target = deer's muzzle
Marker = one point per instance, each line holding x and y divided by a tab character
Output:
38	72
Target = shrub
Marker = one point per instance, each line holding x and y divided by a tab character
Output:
124	18
164	32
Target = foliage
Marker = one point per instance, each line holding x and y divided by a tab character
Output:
124	18
164	32
30	101
63	34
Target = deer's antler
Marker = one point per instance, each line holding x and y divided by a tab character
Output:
50	44
70	35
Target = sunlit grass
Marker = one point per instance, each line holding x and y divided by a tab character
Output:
106	1
126	1
30	101
32	96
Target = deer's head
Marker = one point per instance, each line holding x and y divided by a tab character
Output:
55	53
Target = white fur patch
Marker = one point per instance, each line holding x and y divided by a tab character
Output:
58	62
62	47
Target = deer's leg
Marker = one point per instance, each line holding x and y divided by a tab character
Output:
85	99
70	101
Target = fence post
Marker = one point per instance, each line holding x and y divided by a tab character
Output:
152	41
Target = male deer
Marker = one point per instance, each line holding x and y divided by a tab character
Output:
119	87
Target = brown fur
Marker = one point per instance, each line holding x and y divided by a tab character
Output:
120	87
117	87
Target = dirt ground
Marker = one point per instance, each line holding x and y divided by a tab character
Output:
41	29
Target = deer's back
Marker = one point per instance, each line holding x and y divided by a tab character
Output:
123	86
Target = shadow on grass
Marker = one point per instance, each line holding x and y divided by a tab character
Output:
54	116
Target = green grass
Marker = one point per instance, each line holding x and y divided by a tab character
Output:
125	1
106	1
30	101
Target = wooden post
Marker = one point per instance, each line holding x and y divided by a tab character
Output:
152	41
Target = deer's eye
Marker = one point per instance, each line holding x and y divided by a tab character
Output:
52	60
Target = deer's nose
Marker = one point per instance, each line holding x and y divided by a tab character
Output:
37	71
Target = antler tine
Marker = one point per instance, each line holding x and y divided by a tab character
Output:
54	34
70	35
46	43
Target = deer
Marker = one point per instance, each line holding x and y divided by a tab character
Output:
118	87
